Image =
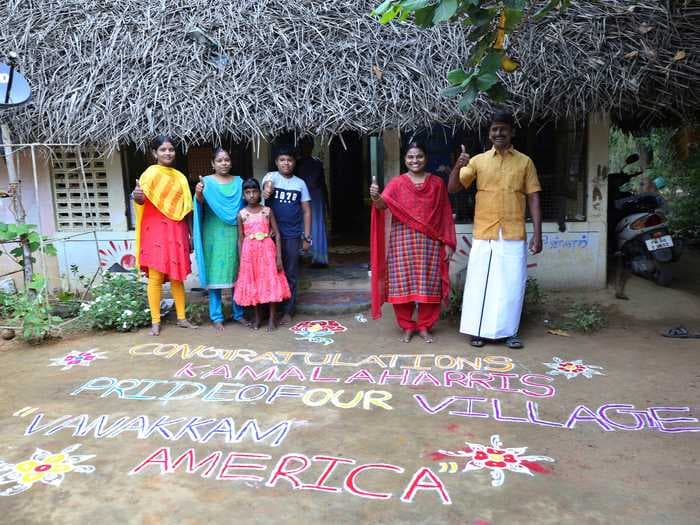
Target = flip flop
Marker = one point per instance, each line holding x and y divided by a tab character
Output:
514	342
477	342
680	332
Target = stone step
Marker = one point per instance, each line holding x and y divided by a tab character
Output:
335	277
333	302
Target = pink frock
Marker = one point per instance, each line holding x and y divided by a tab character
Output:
258	280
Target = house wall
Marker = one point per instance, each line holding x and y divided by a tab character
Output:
38	211
575	258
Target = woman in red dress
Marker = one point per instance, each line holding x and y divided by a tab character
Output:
163	204
411	270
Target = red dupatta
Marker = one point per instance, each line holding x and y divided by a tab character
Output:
426	209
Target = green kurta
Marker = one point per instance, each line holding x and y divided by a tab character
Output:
220	242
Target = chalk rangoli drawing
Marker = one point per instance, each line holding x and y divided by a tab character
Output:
75	358
317	331
44	467
571	369
497	459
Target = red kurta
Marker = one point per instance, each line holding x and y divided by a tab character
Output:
425	209
165	244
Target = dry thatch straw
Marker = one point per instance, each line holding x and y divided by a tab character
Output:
113	72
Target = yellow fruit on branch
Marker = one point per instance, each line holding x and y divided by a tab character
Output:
508	64
500	31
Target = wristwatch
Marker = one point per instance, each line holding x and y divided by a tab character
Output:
306	238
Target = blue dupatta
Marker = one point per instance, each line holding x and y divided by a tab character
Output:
226	207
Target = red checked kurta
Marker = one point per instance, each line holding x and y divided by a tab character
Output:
412	267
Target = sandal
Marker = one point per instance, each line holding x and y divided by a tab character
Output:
407	336
514	342
184	323
477	342
425	335
680	332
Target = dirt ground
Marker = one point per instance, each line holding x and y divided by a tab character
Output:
148	434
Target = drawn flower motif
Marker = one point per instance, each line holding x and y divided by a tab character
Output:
317	331
75	358
496	458
44	467
571	369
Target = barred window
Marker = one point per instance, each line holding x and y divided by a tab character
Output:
80	204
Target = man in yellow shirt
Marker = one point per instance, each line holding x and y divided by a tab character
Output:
495	288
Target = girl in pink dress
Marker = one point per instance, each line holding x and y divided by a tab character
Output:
261	278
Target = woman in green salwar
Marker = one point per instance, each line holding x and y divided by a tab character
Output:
218	198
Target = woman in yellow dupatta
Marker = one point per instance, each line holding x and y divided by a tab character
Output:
163	202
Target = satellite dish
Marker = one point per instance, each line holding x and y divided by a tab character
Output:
14	88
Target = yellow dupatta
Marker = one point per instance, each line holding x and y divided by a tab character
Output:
168	190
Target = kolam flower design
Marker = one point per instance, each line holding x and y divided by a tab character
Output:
571	369
76	358
45	467
496	458
317	331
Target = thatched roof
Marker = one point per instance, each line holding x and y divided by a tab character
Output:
113	72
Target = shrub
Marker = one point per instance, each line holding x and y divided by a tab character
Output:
119	303
29	312
583	317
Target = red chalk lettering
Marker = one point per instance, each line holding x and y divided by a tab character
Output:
417	484
527	379
473	378
266	375
333	461
229	464
352	487
316	376
289	475
386	376
505	382
292	371
192	466
424	377
221	370
190	370
361	374
452	376
160	457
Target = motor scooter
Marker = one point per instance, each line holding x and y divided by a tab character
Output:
641	235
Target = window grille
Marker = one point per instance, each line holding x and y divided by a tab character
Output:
80	205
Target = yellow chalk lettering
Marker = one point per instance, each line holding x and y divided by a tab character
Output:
505	362
382	395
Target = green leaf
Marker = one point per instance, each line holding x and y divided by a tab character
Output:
452	91
445	10
389	15
468	98
498	93
382	8
513	19
480	17
485	81
50	249
38	282
424	17
515	4
413	5
457	76
491	62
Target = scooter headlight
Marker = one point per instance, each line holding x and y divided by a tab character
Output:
651	220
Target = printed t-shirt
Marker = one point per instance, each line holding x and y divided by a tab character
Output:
286	199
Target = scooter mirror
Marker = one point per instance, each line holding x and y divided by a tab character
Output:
632	159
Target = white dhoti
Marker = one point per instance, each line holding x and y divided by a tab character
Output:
495	288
